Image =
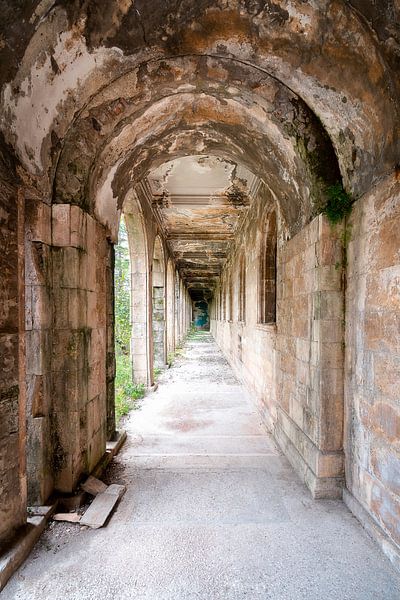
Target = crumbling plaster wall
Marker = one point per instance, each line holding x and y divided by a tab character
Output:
72	52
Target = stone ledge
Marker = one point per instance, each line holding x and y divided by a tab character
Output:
324	464
320	487
23	544
374	530
28	535
112	449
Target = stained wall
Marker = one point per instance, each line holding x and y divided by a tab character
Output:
12	375
372	350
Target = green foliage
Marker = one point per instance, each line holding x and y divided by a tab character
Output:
122	293
338	204
156	373
126	392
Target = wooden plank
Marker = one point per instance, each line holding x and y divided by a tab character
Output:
102	506
69	517
93	486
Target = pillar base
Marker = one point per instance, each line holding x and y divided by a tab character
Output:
328	481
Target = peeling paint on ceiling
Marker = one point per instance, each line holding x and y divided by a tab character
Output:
201	200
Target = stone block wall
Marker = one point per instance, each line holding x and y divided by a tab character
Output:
80	267
294	367
38	325
309	345
12	384
372	364
110	349
248	344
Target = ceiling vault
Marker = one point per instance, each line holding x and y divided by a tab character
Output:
200	202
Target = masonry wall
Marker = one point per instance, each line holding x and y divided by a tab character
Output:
12	396
372	367
249	345
294	367
309	345
39	307
80	259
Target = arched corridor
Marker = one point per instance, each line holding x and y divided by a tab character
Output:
252	149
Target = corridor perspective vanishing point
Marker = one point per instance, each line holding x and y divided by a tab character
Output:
250	150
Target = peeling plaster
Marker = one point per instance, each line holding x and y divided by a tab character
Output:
106	205
36	103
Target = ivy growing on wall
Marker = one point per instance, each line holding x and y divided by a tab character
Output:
338	204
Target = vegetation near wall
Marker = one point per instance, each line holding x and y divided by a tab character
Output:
126	392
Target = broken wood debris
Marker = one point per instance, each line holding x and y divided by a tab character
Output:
69	517
102	506
93	486
105	500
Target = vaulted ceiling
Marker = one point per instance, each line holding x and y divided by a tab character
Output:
196	102
200	200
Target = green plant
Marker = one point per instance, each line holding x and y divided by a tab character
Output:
156	373
338	204
122	293
126	392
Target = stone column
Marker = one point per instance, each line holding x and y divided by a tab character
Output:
310	338
110	336
79	390
12	367
38	323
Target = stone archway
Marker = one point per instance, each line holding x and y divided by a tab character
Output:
170	312
140	341
158	305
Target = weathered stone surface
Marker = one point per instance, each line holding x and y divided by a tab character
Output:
372	424
102	506
221	130
12	322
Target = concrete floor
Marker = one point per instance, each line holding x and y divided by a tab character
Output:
213	510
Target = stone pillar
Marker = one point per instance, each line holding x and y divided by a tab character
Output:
12	380
177	301
170	312
310	318
38	323
110	336
159	319
140	338
79	390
